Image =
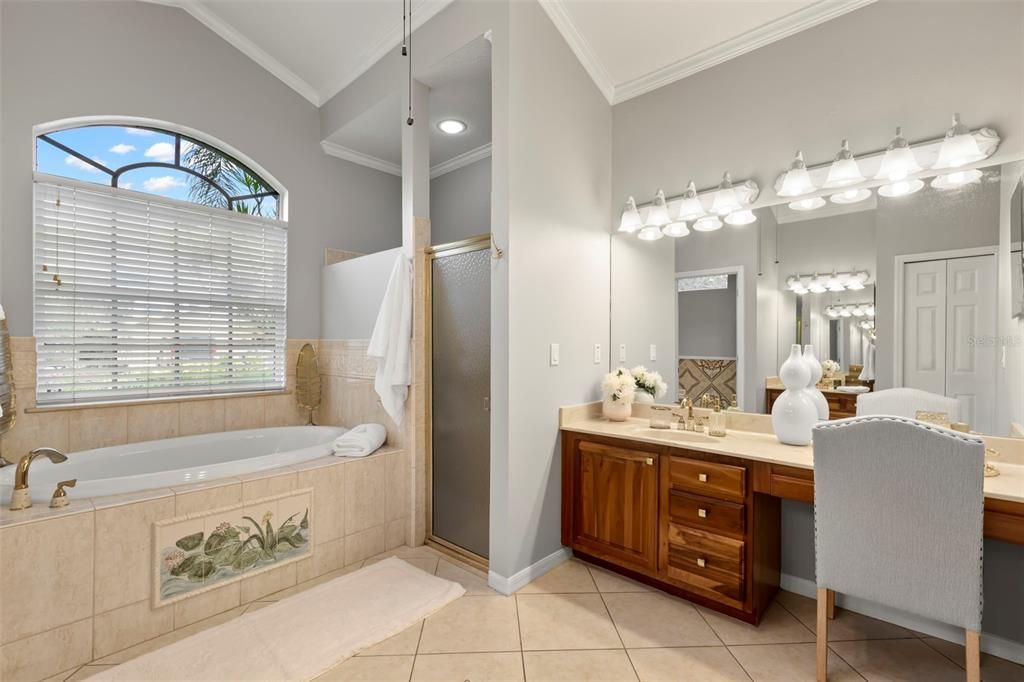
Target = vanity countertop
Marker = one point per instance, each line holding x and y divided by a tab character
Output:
764	447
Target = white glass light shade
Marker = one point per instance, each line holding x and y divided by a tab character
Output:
452	126
835	283
690	207
657	214
858	312
741	217
899	160
956	179
797	180
831	312
901	188
817	286
677	228
857	281
845	312
959	147
850	196
708	223
807	204
870	311
726	200
630	220
650	233
844	170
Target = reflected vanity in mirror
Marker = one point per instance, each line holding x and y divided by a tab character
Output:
892	291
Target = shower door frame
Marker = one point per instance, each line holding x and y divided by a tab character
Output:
430	254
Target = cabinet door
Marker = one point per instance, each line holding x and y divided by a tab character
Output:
617	504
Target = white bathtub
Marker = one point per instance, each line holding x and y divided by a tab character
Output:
173	461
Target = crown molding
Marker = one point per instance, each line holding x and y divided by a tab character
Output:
337	150
215	23
765	34
423	11
461	161
559	16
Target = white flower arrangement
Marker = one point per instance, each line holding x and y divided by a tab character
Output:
619	386
649	382
830	368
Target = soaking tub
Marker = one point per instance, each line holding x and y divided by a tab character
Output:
174	461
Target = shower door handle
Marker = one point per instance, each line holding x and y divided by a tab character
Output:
487	403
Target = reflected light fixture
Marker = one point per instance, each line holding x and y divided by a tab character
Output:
452	126
726	200
959	147
690	207
807	204
956	179
650	233
817	286
708	223
742	217
676	228
630	221
900	188
850	196
844	170
797	180
657	214
899	160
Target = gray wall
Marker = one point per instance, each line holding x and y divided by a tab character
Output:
351	292
65	59
707	322
460	203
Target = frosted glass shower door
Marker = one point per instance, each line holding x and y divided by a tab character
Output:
460	396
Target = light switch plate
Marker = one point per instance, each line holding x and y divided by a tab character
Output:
654	352
622	352
554	355
597	353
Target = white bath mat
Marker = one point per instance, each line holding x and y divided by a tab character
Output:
301	636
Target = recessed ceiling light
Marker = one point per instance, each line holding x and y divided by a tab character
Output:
452	126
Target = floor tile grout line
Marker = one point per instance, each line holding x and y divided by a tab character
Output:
519	629
831	650
719	638
614	625
954	662
416	652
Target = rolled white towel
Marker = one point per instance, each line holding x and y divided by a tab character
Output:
360	441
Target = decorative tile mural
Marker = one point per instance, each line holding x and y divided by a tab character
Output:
716	376
198	552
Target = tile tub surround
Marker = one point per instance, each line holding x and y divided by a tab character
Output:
84	574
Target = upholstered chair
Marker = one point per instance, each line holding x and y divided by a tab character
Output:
905	402
898	509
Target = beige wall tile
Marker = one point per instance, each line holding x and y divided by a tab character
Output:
265	486
23	343
189	500
365	485
124	560
129	625
244	413
329	556
97	428
282	410
274	580
46	574
23	362
33	430
398	488
328	485
152	422
397	533
48	653
367	543
200	416
193	609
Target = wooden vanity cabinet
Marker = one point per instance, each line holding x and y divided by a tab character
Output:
686	522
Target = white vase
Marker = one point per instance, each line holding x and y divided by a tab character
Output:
643	397
794	413
794	372
820	404
617	410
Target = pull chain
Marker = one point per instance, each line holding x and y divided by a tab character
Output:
404	51
409	120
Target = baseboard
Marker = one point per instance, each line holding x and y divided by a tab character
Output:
529	574
992	644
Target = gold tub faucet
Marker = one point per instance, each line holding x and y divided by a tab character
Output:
20	497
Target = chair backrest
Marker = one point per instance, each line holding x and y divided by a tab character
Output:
898	510
905	402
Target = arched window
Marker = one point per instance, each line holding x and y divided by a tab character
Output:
160	267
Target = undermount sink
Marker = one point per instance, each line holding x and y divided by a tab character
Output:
672	434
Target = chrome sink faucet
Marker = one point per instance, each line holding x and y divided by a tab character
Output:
20	497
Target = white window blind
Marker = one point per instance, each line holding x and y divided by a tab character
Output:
157	297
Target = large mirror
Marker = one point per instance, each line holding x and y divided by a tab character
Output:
898	291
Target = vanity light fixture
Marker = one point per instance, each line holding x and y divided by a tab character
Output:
809	204
865	310
899	160
959	147
650	233
956	179
742	217
835	283
708	223
900	188
452	126
725	201
850	196
857	281
817	286
844	170
796	180
657	214
630	221
690	207
676	228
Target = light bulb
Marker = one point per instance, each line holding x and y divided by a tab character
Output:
956	179
844	170
850	196
857	281
899	161
657	214
807	204
677	228
959	147
858	312
797	180
800	291
630	221
835	283
901	188
726	200
741	217
650	233
831	312
690	207
708	223
870	311
817	286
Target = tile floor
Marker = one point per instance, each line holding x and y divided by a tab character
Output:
580	623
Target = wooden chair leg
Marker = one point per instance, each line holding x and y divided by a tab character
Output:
973	658
825	597
831	604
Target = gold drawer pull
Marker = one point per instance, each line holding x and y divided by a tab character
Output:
649	461
703	478
701	562
703	513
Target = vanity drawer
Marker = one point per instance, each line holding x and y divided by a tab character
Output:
684	567
708	478
704	544
699	562
706	514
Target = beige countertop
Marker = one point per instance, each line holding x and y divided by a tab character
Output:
753	440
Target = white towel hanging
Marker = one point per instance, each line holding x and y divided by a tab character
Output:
391	341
